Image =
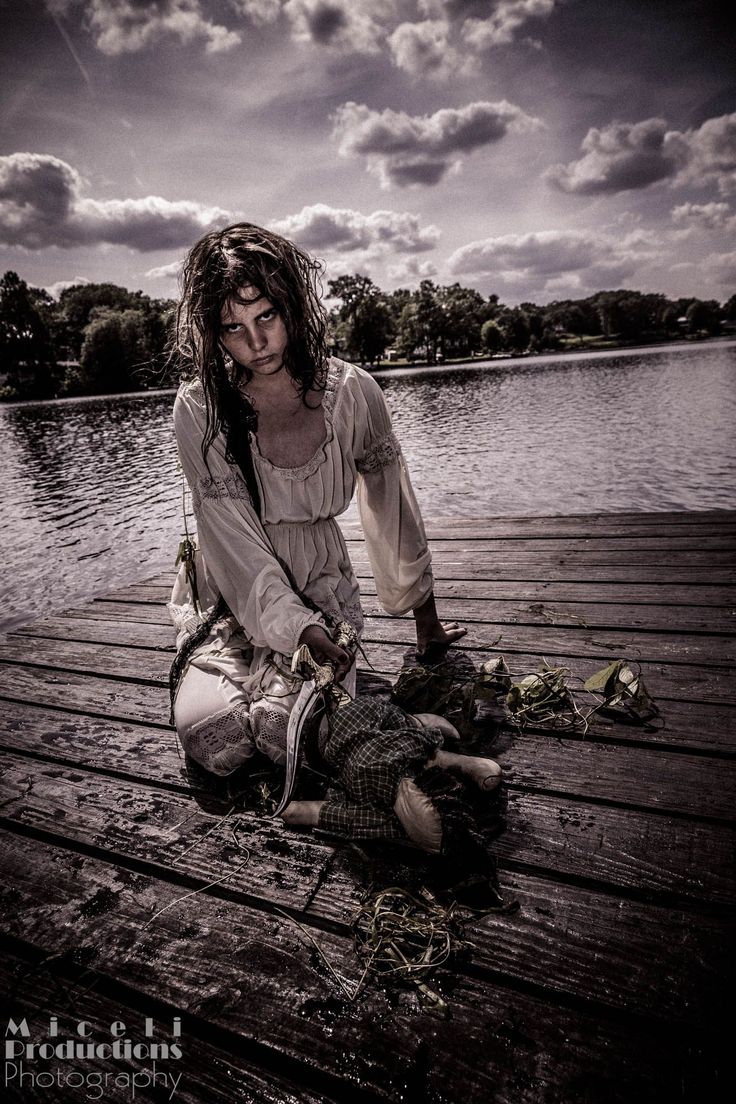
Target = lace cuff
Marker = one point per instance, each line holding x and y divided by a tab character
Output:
219	487
379	455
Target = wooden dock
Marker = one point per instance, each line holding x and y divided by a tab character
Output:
611	982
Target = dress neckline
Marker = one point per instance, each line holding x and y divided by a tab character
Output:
335	372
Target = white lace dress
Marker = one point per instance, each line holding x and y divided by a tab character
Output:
260	565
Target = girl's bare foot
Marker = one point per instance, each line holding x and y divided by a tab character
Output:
486	773
302	814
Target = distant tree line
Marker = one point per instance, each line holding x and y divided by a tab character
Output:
436	323
95	339
101	338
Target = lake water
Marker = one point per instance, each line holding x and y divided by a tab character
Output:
92	498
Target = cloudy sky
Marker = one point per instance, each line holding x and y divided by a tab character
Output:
538	149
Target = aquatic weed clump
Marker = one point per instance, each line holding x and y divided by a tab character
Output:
403	937
552	697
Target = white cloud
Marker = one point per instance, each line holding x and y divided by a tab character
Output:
550	259
407	149
423	49
164	272
710	154
127	26
501	27
42	204
260	12
704	216
625	156
323	228
56	288
411	271
721	268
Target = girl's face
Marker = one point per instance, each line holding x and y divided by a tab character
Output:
253	332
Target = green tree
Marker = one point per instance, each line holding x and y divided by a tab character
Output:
463	312
430	318
364	324
113	349
76	304
492	337
26	352
703	316
516	330
729	309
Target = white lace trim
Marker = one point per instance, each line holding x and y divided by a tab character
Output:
221	742
382	453
219	487
335	373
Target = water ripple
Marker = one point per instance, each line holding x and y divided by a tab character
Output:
93	491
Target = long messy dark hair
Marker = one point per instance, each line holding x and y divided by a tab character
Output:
217	268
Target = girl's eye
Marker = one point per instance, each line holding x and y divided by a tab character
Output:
268	315
231	327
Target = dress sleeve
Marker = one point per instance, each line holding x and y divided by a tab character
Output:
238	554
389	513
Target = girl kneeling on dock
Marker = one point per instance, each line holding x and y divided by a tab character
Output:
274	437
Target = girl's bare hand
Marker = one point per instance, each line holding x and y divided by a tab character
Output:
325	650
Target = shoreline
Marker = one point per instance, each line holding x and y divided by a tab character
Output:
386	368
578	350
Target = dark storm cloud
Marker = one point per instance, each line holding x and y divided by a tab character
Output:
627	156
619	157
41	205
339	24
324	21
408	149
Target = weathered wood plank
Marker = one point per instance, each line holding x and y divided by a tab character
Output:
125	701
628	850
681	682
658	542
699	786
573	640
523	611
170	830
637	851
204	1074
651	575
252	974
93	631
480	552
641	777
144	665
576	525
102	812
664	593
637	957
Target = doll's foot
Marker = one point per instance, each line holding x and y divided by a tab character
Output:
418	817
433	720
486	773
302	814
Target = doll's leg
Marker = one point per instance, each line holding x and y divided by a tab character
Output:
485	773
